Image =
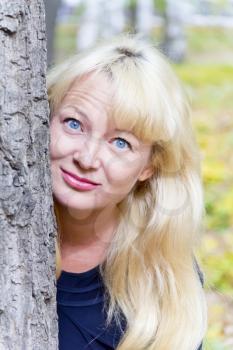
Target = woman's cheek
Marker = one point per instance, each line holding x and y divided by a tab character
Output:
123	167
121	177
56	141
63	145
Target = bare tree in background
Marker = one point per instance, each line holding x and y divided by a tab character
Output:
28	319
51	9
101	19
105	19
175	43
145	13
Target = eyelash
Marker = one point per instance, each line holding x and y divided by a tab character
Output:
120	138
72	119
116	138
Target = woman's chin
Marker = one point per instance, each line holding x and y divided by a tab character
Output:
78	209
80	213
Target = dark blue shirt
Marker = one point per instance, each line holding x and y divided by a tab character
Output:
81	314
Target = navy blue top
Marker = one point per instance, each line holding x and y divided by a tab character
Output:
81	317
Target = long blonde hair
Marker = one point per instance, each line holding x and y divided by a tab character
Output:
149	271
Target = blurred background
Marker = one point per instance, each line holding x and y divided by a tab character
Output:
197	36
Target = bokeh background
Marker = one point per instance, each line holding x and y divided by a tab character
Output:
197	36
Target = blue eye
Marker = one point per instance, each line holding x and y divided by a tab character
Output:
121	143
72	123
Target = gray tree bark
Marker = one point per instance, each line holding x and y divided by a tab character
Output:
28	319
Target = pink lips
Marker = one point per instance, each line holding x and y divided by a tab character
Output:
78	182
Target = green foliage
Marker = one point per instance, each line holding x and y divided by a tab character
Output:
79	11
209	87
210	90
209	43
220	271
217	257
219	209
214	345
65	40
205	75
132	4
160	5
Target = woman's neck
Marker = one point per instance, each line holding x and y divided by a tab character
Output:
84	241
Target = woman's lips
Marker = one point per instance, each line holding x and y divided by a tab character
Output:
78	183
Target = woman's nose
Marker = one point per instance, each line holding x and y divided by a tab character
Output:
89	155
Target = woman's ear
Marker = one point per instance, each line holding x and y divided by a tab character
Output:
146	173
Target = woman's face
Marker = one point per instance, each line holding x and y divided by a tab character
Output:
85	143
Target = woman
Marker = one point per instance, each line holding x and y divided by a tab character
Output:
128	198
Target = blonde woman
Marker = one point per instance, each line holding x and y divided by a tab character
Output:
128	200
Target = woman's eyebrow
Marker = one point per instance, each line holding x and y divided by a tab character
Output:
125	132
79	111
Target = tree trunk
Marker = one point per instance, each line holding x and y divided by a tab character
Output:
28	319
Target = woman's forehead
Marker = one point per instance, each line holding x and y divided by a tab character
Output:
96	95
94	87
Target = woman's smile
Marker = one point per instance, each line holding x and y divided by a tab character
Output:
78	183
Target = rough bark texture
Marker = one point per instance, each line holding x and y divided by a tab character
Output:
28	319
